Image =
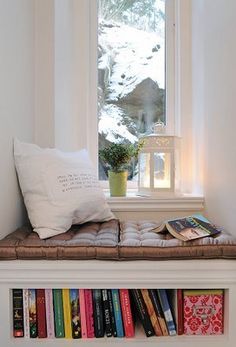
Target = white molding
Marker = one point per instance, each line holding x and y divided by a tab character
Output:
92	97
170	68
119	274
134	203
183	93
179	341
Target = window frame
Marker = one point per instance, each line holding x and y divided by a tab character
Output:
178	84
69	120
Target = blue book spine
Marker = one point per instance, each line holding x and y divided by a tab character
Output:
117	312
167	311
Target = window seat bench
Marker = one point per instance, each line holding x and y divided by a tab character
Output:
114	240
88	257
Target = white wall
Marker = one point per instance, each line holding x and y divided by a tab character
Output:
16	100
214	99
214	76
74	99
62	42
44	73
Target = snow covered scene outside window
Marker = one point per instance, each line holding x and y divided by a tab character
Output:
131	72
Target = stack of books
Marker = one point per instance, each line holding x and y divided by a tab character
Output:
94	313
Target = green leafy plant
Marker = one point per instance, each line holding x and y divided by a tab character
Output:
118	155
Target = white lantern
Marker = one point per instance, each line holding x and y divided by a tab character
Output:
157	163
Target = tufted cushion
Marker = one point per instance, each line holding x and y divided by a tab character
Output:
138	241
130	241
87	241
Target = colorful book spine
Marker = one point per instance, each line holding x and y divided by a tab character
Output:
98	313
167	311
107	314
117	312
126	313
26	313
180	312
41	313
58	313
67	313
49	313
151	312
158	310
111	308
75	313
142	312
89	312
18	314
33	313
83	314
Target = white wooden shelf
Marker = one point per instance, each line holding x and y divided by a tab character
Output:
177	341
125	274
136	203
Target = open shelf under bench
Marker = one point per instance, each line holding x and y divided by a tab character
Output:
192	274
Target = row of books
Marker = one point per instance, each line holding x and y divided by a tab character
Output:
89	313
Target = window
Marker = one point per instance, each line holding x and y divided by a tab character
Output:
71	73
131	71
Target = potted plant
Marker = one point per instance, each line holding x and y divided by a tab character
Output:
117	156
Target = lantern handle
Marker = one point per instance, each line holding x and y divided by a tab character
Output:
159	127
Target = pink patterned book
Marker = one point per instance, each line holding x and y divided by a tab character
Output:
83	314
49	313
89	312
203	312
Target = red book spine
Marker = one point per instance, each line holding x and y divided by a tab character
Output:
89	312
180	308
126	313
41	313
83	313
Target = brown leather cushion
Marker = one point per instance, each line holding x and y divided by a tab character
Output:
137	241
87	241
101	241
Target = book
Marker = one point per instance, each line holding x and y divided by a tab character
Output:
41	313
75	313
126	313
180	311
89	312
142	312
67	313
49	313
58	313
33	313
189	228
112	313
165	305
18	313
117	312
151	312
82	314
157	307
203	312
175	297
107	313
98	313
26	313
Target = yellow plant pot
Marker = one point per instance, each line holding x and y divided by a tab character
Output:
118	183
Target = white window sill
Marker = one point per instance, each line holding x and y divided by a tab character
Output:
132	202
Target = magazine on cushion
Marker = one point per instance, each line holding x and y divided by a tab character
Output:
189	228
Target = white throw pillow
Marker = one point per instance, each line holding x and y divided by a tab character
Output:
59	189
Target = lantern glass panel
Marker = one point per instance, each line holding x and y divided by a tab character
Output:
162	170
144	170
